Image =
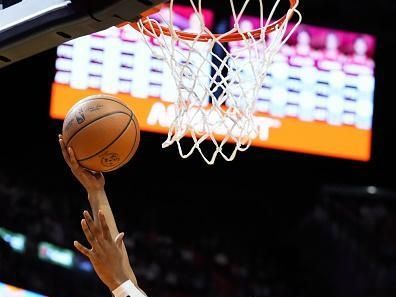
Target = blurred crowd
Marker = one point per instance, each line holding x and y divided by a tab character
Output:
341	247
163	266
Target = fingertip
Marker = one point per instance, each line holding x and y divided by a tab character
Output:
77	245
120	238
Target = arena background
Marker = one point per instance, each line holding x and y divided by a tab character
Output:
270	223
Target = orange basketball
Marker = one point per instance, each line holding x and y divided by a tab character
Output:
102	131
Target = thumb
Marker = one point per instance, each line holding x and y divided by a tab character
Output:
118	240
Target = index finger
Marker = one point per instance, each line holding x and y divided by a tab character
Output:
74	165
65	154
88	234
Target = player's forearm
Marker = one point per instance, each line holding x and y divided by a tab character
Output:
98	201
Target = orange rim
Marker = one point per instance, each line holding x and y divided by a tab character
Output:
155	28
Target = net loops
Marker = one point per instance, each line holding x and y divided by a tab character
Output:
216	95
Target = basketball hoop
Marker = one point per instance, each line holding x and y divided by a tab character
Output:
219	107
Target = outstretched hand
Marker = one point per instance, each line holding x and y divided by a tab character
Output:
106	254
91	181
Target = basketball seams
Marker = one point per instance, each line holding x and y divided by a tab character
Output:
119	140
133	149
94	121
112	142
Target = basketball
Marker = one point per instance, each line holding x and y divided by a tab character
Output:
102	131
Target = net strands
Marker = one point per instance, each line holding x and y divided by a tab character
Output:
218	107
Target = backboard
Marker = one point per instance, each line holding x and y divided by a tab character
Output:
28	27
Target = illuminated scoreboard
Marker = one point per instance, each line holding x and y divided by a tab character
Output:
117	61
320	92
318	97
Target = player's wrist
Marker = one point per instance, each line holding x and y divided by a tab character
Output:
115	284
96	194
128	289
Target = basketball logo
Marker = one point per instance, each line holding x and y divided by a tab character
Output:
103	132
80	117
110	159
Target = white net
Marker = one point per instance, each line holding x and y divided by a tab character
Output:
217	105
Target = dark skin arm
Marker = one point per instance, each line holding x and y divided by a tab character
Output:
94	183
106	253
